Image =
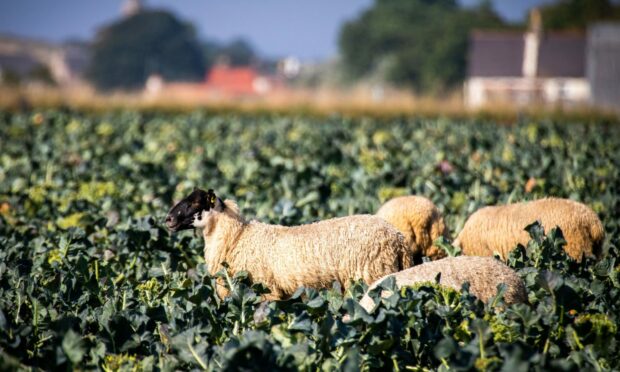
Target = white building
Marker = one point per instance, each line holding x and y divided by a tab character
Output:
603	65
527	68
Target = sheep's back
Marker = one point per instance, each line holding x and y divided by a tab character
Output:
314	255
501	228
419	220
489	230
484	274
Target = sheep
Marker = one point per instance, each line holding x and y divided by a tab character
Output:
419	220
286	258
500	228
484	274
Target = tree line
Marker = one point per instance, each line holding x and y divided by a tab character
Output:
422	44
127	52
418	44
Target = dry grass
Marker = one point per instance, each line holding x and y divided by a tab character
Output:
357	101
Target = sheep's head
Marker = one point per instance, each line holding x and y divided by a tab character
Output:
185	214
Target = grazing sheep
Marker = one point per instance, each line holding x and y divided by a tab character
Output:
419	220
286	258
500	228
484	274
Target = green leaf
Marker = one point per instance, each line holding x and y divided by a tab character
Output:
444	244
73	346
316	302
301	323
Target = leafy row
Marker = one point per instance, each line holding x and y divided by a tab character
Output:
90	279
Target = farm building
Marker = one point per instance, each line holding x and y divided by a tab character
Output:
244	80
603	64
564	68
65	62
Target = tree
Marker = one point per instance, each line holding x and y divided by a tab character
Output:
42	74
239	52
210	53
567	14
10	77
126	52
419	43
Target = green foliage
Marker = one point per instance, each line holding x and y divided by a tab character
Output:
448	248
90	279
126	52
578	14
10	78
42	74
238	52
417	43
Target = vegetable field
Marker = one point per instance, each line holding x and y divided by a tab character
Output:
90	278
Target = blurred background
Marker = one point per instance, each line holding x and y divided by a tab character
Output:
398	55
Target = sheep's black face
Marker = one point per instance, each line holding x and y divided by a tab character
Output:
183	215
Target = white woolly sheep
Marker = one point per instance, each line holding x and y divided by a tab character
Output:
286	258
419	220
500	228
484	274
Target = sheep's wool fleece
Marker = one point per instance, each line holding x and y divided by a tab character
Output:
313	255
500	228
484	274
419	220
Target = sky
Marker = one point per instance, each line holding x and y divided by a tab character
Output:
307	29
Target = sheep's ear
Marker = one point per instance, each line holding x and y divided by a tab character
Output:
213	202
211	198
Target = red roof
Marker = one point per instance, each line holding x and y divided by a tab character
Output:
236	80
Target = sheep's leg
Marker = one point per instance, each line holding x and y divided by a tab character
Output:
578	245
221	288
271	297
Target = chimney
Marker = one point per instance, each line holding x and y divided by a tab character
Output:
131	7
532	44
536	21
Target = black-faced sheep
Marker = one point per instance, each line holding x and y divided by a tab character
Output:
484	274
500	228
419	220
285	258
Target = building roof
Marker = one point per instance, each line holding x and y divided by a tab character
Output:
500	54
238	80
21	64
562	55
67	61
495	54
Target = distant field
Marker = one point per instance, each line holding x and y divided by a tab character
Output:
355	102
91	279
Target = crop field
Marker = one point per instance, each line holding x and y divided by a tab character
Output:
91	279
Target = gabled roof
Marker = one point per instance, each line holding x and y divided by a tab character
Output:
562	55
500	54
495	54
